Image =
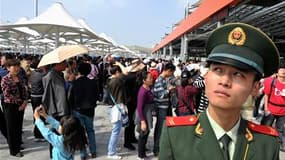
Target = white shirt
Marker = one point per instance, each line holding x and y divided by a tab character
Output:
219	132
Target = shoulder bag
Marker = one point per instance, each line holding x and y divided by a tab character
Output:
123	110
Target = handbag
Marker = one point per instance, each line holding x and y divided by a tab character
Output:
122	110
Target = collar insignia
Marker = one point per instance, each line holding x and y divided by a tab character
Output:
199	129
237	37
248	135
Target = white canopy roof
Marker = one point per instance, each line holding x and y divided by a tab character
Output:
108	38
25	29
54	23
103	40
56	15
54	27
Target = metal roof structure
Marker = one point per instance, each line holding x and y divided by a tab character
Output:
269	17
201	15
54	27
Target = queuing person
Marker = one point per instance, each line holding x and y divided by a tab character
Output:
161	91
3	127
104	70
185	93
3	72
37	90
55	95
132	88
70	74
238	56
83	98
25	64
117	90
94	69
274	102
15	101
70	137
199	82
153	70
144	109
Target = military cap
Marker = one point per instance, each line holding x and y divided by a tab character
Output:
282	62
243	46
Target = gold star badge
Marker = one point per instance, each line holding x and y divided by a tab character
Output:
237	37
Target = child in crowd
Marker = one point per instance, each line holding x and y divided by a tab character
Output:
71	135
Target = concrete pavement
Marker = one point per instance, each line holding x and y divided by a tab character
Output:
39	150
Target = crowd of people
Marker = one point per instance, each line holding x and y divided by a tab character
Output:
68	93
75	86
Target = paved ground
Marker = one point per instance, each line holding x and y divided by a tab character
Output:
39	150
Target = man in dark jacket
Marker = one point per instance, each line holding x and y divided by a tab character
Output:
83	98
132	89
55	96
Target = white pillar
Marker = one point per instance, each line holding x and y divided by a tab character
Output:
170	50
182	48
185	54
164	51
25	45
57	38
160	53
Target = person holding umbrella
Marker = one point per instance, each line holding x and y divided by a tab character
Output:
55	96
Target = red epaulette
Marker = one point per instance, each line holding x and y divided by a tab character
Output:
262	129
181	121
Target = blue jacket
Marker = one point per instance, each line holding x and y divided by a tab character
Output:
58	151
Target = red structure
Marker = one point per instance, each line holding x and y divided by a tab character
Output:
206	11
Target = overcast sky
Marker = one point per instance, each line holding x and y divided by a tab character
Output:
128	22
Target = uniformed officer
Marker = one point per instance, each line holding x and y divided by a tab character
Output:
238	56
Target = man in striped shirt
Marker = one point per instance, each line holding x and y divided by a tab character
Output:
161	91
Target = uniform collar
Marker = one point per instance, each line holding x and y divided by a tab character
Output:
219	131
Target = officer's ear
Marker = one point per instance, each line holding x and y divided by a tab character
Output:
255	88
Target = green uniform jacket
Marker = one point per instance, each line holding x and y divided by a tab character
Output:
198	142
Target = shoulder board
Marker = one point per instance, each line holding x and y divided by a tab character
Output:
181	121
262	129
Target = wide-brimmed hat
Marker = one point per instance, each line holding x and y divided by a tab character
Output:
243	46
136	65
